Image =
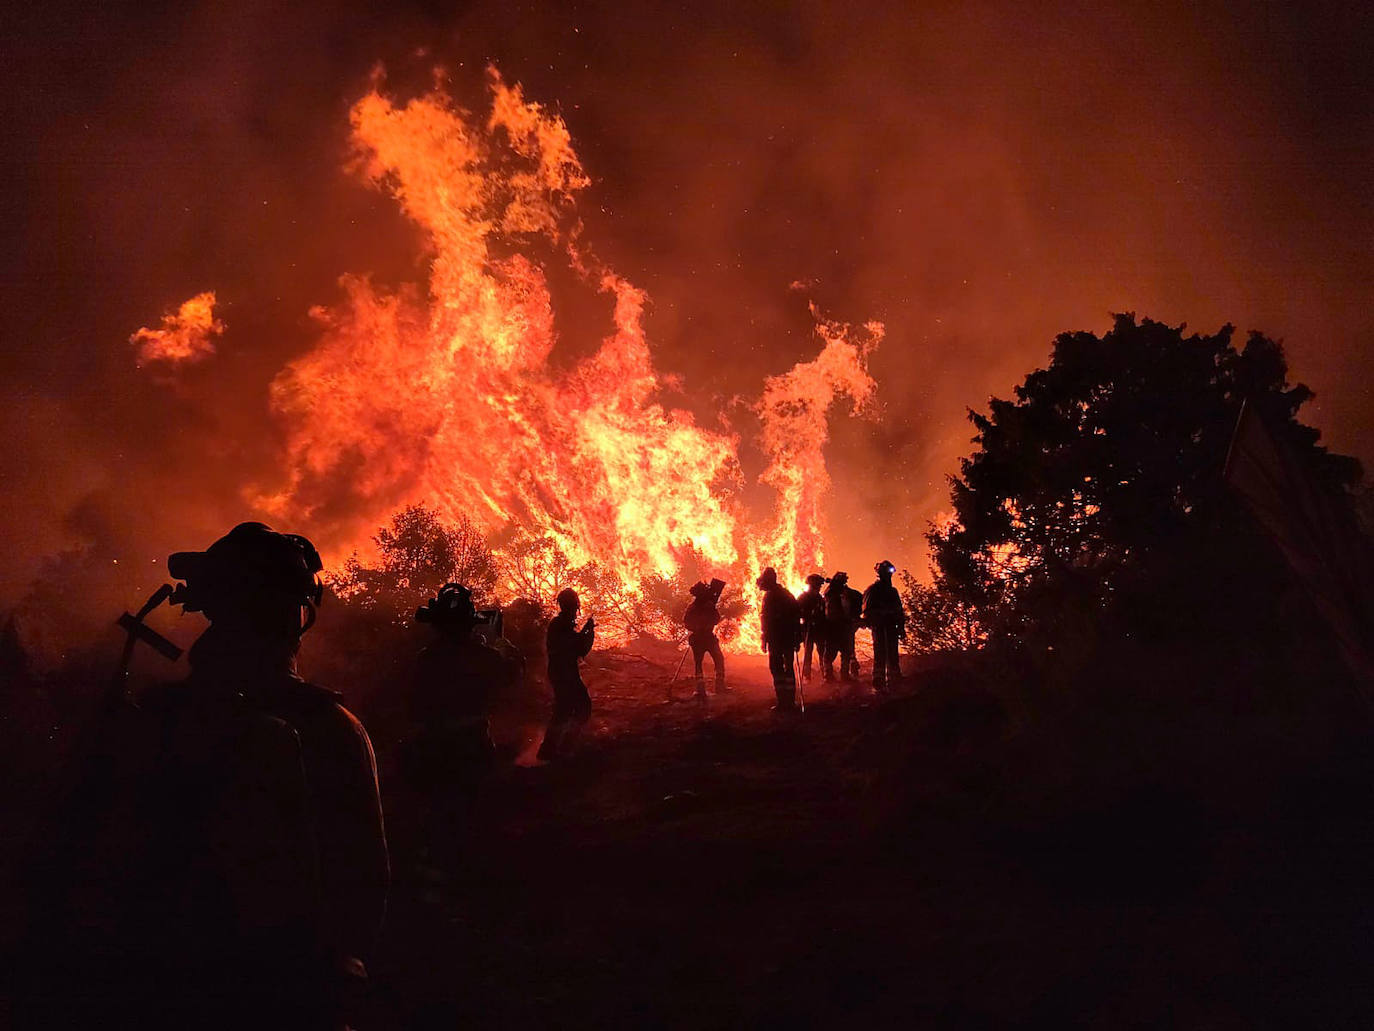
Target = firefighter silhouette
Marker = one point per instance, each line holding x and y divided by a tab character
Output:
780	618
226	864
567	646
814	630
700	619
884	615
843	606
449	748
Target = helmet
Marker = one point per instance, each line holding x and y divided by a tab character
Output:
884	568
568	600
452	607
769	578
840	579
249	564
815	580
700	589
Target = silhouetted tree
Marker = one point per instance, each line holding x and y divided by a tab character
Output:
938	620
536	568
1097	494
417	553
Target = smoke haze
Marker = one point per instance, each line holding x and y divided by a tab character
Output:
976	177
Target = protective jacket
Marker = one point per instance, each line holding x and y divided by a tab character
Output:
882	604
812	604
701	617
780	618
843	605
566	645
252	879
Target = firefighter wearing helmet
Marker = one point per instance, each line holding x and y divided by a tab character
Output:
567	645
253	871
814	629
701	619
884	615
780	622
842	610
449	748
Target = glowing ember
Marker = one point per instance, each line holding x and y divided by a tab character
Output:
446	396
186	335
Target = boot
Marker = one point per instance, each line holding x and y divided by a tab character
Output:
701	688
720	686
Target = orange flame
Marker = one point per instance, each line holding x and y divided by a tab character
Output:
794	411
186	334
446	396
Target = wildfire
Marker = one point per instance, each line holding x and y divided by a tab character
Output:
186	335
444	393
793	411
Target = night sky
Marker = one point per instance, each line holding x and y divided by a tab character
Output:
979	177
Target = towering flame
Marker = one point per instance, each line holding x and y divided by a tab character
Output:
445	394
794	412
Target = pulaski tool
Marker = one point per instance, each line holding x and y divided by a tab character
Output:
137	631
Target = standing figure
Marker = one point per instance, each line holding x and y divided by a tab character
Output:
700	619
855	601
781	623
842	605
450	748
572	706
250	874
884	615
814	630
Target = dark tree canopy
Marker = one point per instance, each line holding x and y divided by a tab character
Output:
417	553
1100	482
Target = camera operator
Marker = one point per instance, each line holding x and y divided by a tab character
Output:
700	619
456	677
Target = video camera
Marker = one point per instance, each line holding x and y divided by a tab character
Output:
711	591
489	626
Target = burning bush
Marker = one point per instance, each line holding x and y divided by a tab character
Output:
417	553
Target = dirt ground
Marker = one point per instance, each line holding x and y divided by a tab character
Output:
904	863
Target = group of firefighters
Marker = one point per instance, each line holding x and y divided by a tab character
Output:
821	624
225	834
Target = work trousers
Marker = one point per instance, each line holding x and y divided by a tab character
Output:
840	641
703	645
782	665
814	641
886	664
572	707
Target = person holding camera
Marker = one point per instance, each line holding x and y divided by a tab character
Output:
567	645
700	619
449	748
